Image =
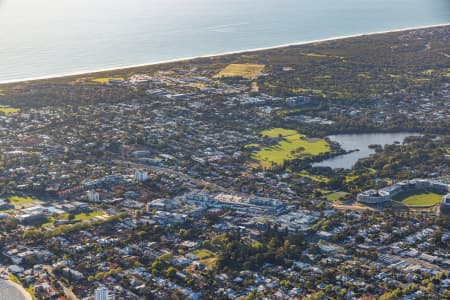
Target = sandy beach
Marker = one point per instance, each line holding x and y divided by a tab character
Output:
10	290
219	54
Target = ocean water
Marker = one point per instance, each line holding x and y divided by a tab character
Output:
46	37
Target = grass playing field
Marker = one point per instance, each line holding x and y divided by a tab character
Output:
336	196
78	217
8	110
419	198
203	253
208	258
248	71
316	178
291	146
104	80
17	201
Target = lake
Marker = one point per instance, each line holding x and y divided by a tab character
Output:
9	292
362	142
49	37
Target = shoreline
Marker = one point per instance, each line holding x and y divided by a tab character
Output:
183	59
18	287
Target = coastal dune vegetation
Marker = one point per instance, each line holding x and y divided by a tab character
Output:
343	69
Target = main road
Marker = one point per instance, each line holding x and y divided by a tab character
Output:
171	172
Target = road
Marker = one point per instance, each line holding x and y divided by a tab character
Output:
171	172
67	292
420	262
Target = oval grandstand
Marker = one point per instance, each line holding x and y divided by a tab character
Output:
388	193
445	204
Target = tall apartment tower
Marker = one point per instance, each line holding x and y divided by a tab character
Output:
93	196
141	176
101	293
